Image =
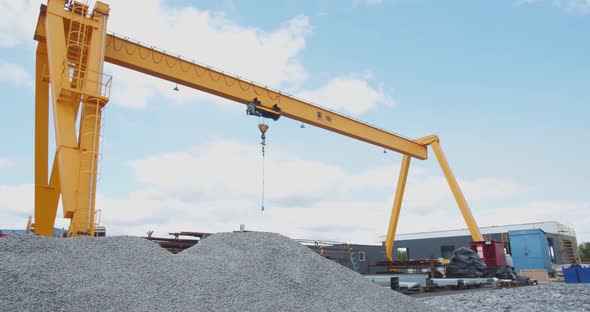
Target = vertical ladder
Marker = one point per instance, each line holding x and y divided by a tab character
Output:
77	47
77	51
77	71
354	260
567	250
506	242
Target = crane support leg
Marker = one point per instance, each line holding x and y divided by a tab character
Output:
397	204
71	58
65	112
459	198
46	195
455	189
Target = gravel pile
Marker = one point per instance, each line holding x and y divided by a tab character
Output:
243	271
550	298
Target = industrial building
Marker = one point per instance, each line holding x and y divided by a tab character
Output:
4	232
541	245
549	242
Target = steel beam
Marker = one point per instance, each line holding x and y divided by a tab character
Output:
457	193
46	194
129	54
397	205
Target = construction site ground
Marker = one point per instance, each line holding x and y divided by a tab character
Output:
549	297
240	271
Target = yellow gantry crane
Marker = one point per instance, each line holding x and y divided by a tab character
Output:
73	45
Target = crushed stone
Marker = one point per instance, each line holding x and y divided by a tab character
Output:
240	271
542	298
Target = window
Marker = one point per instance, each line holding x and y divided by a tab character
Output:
361	256
447	251
552	253
551	250
403	253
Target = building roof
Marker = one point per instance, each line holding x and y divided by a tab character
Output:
552	227
56	232
12	232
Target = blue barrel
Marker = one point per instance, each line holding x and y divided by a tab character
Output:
570	275
584	274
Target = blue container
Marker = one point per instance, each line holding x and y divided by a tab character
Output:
530	250
584	274
570	275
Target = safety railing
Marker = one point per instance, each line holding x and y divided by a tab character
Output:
87	82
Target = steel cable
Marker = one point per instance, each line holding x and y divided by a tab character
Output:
166	59
153	57
115	45
212	79
127	48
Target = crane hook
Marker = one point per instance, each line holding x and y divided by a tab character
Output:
263	128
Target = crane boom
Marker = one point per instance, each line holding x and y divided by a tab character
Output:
129	54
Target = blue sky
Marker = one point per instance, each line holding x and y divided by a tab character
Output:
503	83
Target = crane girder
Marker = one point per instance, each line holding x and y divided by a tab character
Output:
133	55
147	60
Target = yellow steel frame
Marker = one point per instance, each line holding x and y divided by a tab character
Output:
433	141
69	64
72	47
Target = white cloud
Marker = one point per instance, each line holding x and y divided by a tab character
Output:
579	6
358	220
14	75
448	216
566	212
270	57
17	204
492	188
17	21
16	199
6	163
216	187
352	95
366	2
431	191
228	169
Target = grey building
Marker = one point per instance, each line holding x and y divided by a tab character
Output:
560	241
556	241
365	257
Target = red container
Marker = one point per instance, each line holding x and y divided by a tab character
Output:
491	252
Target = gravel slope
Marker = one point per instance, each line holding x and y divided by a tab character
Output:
243	271
549	298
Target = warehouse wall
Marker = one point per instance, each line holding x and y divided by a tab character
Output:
557	246
372	255
431	247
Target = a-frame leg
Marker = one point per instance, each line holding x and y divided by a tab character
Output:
46	194
397	204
